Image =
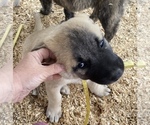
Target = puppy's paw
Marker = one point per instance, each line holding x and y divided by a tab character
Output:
65	90
102	90
99	90
35	92
45	12
53	114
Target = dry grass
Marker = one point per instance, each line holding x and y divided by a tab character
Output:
129	98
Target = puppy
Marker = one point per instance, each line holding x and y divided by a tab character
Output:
108	12
78	44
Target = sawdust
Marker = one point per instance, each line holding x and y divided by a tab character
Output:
128	100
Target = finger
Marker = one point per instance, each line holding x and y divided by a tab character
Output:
57	76
40	123
53	77
53	69
42	54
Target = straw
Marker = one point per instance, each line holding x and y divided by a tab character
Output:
17	34
86	92
5	34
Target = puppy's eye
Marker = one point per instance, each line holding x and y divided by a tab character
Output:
81	65
102	43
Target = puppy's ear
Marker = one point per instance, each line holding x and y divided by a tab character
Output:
39	47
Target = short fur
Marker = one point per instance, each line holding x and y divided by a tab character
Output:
108	12
79	45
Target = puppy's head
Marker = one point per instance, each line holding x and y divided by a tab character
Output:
85	53
95	59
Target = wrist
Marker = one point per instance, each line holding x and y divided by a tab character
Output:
17	87
6	86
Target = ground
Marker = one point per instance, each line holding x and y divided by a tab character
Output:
129	101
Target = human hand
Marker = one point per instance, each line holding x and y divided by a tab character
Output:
30	72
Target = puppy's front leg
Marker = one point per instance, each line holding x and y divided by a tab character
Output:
54	102
68	14
46	6
65	90
97	89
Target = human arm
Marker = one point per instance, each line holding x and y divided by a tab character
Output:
29	74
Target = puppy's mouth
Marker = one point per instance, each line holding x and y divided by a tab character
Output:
109	80
103	81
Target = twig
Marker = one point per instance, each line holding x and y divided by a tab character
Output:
5	35
17	34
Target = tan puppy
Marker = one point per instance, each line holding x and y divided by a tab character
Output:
78	44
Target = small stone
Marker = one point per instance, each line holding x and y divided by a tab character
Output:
141	63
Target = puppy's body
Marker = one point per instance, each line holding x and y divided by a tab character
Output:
108	12
79	45
76	5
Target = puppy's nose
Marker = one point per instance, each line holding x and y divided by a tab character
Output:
116	74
